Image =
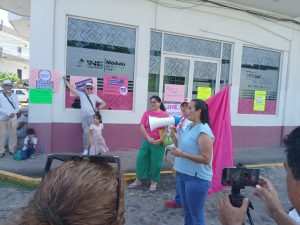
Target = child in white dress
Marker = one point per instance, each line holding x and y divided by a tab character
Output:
97	142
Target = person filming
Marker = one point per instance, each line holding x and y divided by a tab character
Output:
265	190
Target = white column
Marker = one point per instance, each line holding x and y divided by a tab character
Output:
41	50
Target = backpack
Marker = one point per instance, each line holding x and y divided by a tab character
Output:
76	103
18	156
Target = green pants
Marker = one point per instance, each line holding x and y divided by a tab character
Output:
149	161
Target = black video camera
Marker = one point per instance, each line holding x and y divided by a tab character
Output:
238	178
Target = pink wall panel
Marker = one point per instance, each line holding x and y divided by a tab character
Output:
67	137
246	107
256	136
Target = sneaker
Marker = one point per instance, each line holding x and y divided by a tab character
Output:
173	205
2	155
85	152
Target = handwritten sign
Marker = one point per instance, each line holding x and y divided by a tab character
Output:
203	93
44	79
259	101
173	109
115	85
40	96
174	93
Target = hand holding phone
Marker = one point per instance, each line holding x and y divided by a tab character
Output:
171	148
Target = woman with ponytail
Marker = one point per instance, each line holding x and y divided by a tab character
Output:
193	162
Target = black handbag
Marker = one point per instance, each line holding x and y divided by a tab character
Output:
76	103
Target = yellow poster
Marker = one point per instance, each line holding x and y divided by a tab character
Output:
203	93
259	100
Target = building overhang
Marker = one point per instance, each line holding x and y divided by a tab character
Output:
21	8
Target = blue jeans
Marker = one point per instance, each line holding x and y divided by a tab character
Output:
193	192
177	194
28	152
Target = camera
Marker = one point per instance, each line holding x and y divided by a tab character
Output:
240	177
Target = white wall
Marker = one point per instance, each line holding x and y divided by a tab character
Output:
49	51
41	51
12	66
292	99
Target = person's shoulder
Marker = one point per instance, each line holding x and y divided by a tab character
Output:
80	93
94	95
205	128
148	112
164	113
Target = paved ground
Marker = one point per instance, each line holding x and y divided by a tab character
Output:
35	167
146	208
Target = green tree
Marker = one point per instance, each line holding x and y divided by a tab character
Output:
13	77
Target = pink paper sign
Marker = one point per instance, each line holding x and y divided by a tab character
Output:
174	93
115	85
79	82
44	79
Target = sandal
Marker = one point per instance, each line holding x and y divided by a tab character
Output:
134	185
153	186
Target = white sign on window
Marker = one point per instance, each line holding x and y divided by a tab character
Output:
173	109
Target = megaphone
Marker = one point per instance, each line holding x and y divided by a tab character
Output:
155	122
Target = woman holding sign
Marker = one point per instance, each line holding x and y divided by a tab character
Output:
150	157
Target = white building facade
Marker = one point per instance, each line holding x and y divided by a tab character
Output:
149	44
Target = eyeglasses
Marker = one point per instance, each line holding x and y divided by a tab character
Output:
102	159
89	88
153	102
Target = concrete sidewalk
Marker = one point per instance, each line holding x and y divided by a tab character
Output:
35	167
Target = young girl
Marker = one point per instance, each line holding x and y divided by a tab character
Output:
97	142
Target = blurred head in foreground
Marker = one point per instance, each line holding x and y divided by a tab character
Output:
75	193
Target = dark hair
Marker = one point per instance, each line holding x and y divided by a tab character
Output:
204	115
292	143
30	131
98	115
157	98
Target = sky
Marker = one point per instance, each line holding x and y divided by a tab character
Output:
3	16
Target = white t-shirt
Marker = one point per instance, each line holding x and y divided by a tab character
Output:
6	108
182	125
86	107
34	140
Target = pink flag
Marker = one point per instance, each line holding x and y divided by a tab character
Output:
219	112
